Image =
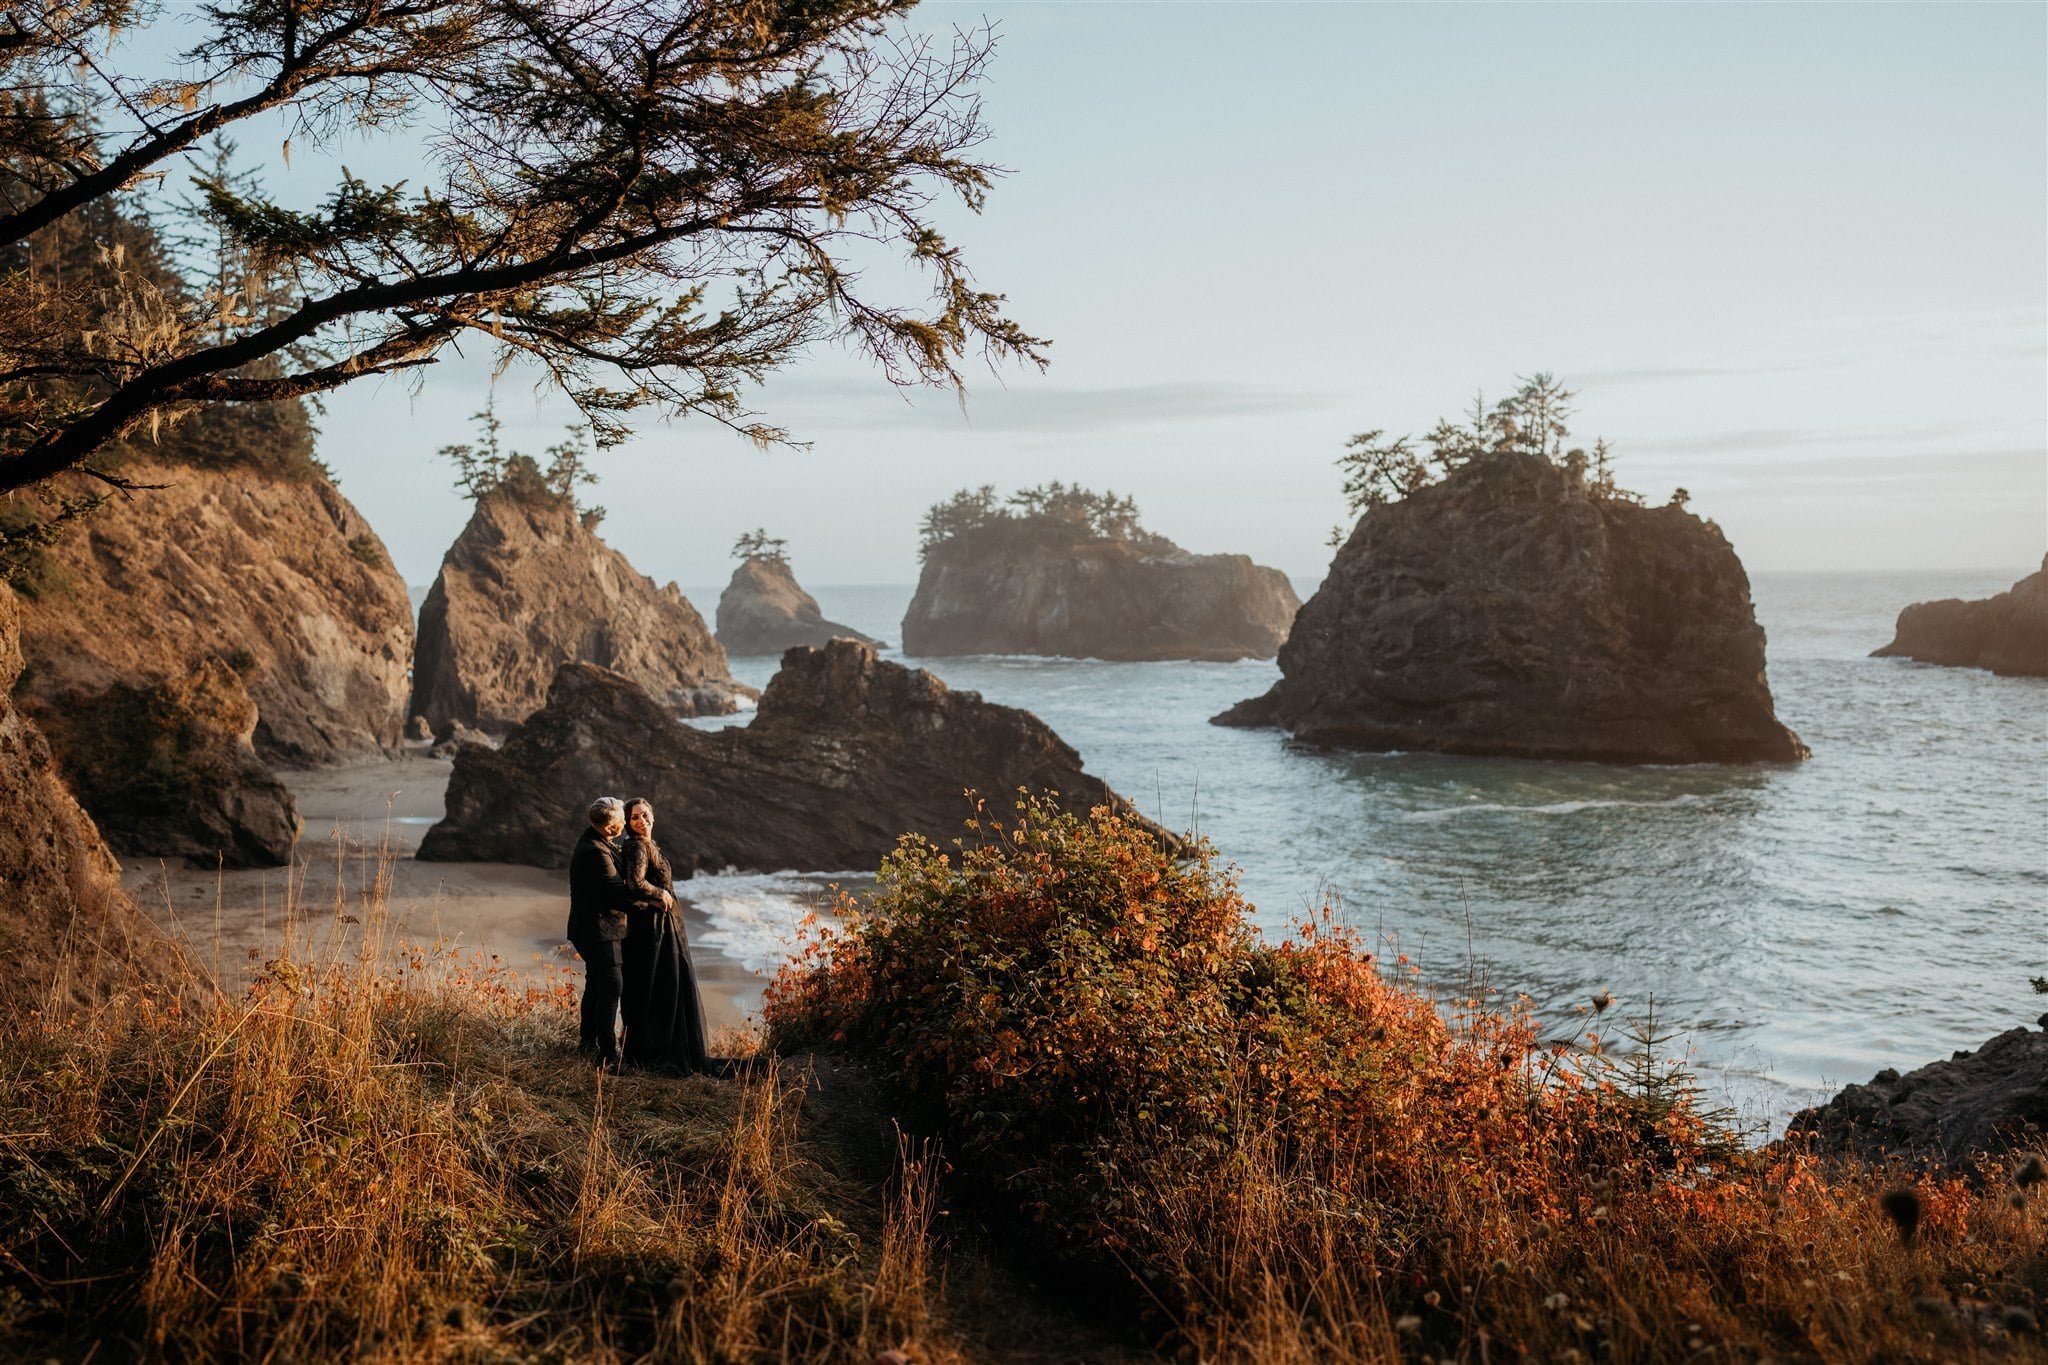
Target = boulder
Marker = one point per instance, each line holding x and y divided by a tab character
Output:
69	935
1983	1103
846	753
1510	611
170	770
278	575
2006	634
763	611
526	587
1027	588
454	735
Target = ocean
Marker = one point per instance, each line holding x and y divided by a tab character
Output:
1797	927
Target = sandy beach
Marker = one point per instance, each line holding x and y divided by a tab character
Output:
364	821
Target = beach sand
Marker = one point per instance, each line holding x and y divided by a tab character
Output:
371	816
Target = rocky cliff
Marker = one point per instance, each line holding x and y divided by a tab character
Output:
280	576
846	753
763	611
1014	590
2007	634
67	933
169	770
1976	1103
526	587
1508	611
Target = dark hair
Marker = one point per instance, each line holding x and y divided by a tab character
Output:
637	801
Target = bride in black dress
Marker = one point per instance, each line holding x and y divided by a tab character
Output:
664	1018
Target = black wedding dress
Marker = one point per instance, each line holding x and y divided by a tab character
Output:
664	1018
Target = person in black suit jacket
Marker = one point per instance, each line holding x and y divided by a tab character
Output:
598	899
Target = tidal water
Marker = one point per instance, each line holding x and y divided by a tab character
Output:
1799	927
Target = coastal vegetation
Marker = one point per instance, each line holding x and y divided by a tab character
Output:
1533	420
1207	1147
486	469
758	544
1288	1151
1051	511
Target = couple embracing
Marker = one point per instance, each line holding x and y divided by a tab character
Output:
624	923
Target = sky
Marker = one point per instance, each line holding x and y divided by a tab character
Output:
1793	258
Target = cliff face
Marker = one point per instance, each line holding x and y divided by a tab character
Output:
169	770
763	611
846	753
68	934
281	576
1506	612
2007	634
1002	592
525	588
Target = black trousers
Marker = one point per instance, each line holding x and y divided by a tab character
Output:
604	982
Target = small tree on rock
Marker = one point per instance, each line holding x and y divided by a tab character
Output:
758	544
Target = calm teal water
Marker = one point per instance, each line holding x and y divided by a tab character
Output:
1883	904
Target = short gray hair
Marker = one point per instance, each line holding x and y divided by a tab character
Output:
607	810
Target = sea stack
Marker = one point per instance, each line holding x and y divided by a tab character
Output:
764	611
847	753
1064	571
1510	610
2006	634
527	586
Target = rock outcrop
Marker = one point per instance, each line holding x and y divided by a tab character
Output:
1983	1103
169	770
1011	589
526	587
68	933
763	611
280	576
846	753
2006	634
1508	611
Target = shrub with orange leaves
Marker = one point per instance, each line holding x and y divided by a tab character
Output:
1299	1158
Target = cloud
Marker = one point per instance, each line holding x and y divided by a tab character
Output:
1765	443
873	405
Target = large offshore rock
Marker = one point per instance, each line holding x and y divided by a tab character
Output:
1025	589
847	753
527	587
764	611
2007	633
169	770
1508	611
68	934
279	575
1982	1103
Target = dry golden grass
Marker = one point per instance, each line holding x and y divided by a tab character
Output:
371	1155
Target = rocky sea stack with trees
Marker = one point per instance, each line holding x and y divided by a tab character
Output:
763	610
529	585
2007	633
847	753
1065	571
1503	596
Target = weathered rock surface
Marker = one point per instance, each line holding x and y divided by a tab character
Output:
169	770
1007	590
281	576
1506	611
1974	1104
525	588
68	934
763	611
2007	634
846	753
